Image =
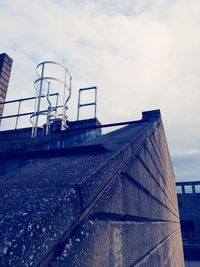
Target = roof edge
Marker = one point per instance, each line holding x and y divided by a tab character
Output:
151	115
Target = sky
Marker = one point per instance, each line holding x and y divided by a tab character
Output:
141	55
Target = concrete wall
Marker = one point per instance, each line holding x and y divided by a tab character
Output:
15	142
5	69
115	208
136	221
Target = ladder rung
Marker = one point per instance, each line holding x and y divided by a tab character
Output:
88	104
88	88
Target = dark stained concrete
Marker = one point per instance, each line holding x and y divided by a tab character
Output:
115	208
18	149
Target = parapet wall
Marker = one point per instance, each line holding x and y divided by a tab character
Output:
117	207
136	221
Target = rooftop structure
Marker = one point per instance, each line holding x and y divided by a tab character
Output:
106	200
5	70
71	196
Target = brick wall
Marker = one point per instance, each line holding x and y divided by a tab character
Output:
5	70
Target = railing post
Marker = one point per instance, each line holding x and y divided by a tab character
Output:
39	101
16	123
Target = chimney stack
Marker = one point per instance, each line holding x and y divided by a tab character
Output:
5	70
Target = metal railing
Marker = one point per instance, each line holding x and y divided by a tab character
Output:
192	187
19	101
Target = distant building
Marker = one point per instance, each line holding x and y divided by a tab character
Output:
189	208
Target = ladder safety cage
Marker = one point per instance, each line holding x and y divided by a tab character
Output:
64	94
89	103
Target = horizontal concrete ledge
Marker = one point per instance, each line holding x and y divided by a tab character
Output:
105	216
133	181
53	153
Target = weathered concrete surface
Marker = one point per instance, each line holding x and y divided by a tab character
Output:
118	208
32	219
19	141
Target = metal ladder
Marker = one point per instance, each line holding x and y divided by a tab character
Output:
87	104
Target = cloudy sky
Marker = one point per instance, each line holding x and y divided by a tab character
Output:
141	55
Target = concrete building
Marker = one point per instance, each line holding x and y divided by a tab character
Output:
189	203
5	70
79	198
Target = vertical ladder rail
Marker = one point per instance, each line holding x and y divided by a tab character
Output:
80	105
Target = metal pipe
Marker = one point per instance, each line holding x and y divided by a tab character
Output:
87	104
39	101
79	93
87	88
63	123
52	62
17	114
27	113
24	99
48	112
56	104
95	107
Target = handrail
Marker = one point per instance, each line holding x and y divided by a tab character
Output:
24	99
20	100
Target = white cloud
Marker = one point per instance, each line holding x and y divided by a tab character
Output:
141	54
